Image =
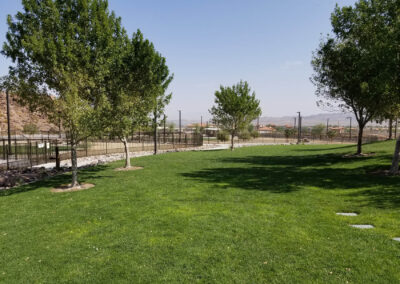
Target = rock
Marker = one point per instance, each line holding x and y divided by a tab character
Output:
3	181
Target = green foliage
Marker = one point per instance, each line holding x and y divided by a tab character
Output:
255	134
235	108
171	127
289	132
331	134
245	135
223	135
318	130
261	213
63	51
30	128
198	129
355	69
140	78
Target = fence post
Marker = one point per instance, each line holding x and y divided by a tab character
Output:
30	152
8	165
45	151
37	156
57	157
16	149
86	145
4	149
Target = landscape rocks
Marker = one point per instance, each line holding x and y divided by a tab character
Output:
12	178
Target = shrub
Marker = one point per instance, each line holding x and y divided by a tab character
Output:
30	128
245	135
289	132
223	136
331	134
255	134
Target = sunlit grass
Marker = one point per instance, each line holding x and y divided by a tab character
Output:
254	215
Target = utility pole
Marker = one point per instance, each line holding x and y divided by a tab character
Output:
155	131
8	121
165	120
180	126
327	126
299	129
350	125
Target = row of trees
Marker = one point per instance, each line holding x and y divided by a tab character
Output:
358	68
74	62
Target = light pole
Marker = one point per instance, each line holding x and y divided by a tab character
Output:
299	129
327	126
350	124
8	121
180	126
155	131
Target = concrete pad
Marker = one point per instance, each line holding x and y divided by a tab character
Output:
396	239
362	226
347	214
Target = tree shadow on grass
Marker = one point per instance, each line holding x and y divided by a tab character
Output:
285	174
90	173
316	148
301	161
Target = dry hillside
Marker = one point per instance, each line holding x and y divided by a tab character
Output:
21	116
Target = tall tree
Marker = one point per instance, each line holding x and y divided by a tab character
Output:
139	75
235	108
62	51
349	68
375	26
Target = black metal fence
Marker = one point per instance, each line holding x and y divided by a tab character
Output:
24	153
281	138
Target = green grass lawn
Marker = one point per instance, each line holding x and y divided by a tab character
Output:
255	215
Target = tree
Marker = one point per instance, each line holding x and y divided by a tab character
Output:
374	26
135	82
318	129
331	134
62	52
161	99
288	132
235	108
347	73
171	127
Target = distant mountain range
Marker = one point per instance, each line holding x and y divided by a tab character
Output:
335	119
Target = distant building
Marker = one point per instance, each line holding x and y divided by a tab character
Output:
338	130
266	129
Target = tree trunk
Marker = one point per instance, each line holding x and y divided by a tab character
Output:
390	129
394	169
127	157
155	133
360	137
232	138
74	165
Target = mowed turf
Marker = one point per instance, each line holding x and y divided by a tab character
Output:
254	215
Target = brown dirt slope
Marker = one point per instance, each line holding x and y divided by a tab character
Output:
21	116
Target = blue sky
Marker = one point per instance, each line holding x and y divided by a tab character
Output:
207	43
